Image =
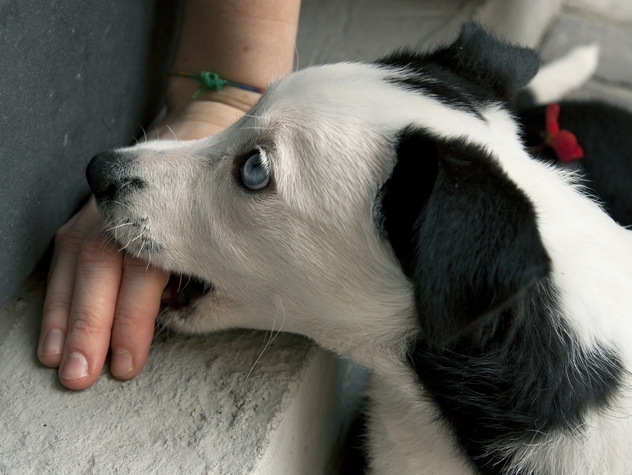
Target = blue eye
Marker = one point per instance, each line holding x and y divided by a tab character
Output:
253	174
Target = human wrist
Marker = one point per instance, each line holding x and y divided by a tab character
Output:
197	118
180	91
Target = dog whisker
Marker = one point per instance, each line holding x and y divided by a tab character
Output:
140	250
268	343
138	237
115	227
174	134
144	133
180	288
126	245
160	328
127	183
121	204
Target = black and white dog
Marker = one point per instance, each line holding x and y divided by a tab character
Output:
391	212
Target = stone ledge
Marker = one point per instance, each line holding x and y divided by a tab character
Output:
196	408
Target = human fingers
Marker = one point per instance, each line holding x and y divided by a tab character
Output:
136	309
98	273
69	240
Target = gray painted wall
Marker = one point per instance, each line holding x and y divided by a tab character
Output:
76	77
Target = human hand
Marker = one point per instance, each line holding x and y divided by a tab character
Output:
97	297
100	297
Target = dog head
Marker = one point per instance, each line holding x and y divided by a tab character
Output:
354	203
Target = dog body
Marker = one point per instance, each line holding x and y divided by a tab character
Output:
390	212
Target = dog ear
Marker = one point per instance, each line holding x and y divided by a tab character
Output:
489	62
464	233
485	60
496	68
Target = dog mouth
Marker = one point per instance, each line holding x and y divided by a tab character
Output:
183	290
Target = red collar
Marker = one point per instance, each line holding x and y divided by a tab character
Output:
563	142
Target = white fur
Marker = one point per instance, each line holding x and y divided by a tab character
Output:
306	258
563	75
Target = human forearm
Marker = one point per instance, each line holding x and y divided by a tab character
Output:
247	41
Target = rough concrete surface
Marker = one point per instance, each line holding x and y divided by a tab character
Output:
221	404
216	404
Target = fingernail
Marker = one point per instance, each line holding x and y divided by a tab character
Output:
121	363
54	343
75	367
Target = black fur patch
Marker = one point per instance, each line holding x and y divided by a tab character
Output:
475	68
408	190
435	81
493	353
525	99
464	233
518	377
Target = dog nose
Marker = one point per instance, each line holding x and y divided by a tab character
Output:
101	172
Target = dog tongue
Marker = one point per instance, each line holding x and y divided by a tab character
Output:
181	290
